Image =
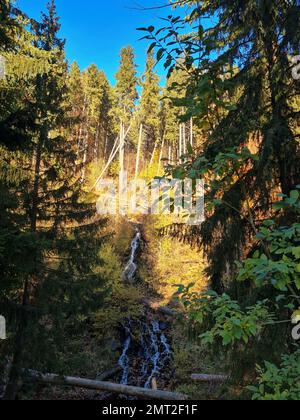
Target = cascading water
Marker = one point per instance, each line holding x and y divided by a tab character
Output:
124	359
155	352
131	267
146	356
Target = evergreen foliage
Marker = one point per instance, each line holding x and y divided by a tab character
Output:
50	240
126	93
229	114
241	93
150	104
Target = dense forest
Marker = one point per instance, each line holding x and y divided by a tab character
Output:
142	304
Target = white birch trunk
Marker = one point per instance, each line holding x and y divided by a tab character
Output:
138	155
191	132
161	155
180	141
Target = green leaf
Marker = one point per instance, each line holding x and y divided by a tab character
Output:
151	48
160	54
294	195
296	252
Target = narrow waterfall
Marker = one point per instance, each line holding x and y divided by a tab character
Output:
144	357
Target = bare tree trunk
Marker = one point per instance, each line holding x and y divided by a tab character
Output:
96	143
85	156
161	155
192	132
184	138
122	147
122	183
105	147
139	152
153	153
37	174
180	141
115	150
81	128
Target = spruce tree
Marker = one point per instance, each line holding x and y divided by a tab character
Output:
150	104
105	119
125	97
172	113
9	26
126	93
61	250
75	94
241	92
95	129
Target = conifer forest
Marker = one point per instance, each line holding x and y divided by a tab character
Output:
150	216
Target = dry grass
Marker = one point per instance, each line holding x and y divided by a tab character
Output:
172	262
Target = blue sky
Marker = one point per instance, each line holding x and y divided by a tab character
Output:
96	30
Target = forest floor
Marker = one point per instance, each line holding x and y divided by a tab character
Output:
164	263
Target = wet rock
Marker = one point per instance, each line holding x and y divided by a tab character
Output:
163	326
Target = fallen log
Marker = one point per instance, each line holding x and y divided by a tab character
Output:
133	391
209	378
164	310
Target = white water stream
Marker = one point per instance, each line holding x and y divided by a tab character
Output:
144	357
